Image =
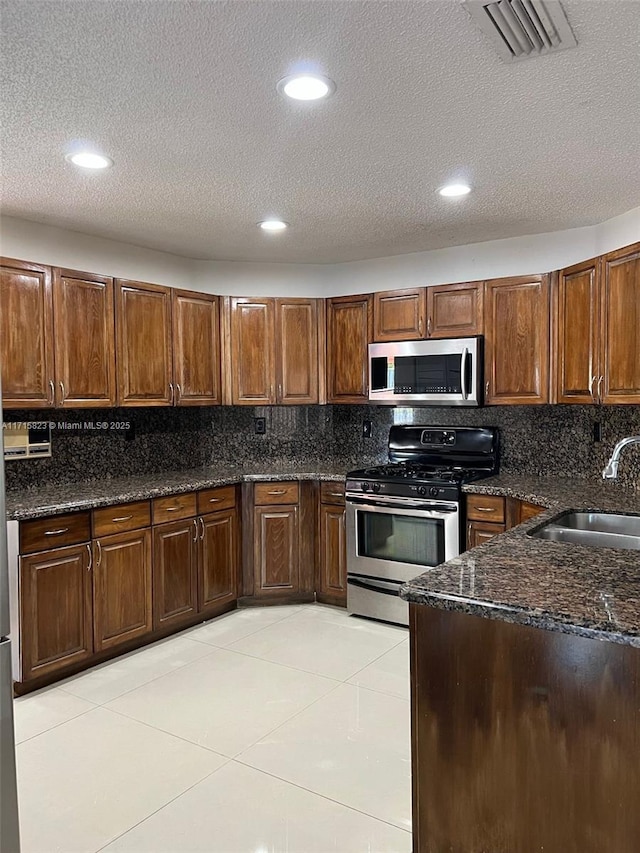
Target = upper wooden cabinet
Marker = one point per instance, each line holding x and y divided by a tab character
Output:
296	351
196	348
143	336
251	365
349	331
455	310
620	306
26	335
517	340
84	339
577	312
399	315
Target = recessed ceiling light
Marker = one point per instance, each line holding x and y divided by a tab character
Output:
89	160
273	225
454	190
306	87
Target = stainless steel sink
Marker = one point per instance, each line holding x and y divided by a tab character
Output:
596	529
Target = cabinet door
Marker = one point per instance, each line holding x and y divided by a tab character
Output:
480	531
121	588
297	351
517	340
332	585
196	348
218	562
621	325
455	310
26	335
143	327
252	351
84	340
276	552
577	304
175	571
55	610
399	315
349	331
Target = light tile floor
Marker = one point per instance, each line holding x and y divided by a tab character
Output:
268	730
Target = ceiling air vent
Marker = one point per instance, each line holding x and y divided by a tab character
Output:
521	29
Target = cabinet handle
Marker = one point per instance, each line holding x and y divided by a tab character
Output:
52	388
178	392
277	492
271	391
214	500
89	551
56	532
469	533
337	494
99	560
172	393
195	529
122	518
167	509
429	327
62	391
593	396
600	381
484	509
486	388
420	326
279	391
201	529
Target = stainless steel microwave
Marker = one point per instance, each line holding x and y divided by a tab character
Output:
444	372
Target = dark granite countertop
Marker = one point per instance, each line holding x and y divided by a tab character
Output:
50	500
594	592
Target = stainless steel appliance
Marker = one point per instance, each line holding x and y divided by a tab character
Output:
407	516
9	833
445	372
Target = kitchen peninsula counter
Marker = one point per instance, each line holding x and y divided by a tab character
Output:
65	497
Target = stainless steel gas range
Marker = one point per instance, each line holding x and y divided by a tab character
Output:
407	516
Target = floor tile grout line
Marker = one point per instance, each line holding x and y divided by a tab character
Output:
377	659
57	725
250	634
323	796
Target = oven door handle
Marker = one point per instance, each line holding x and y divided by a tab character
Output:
423	506
384	587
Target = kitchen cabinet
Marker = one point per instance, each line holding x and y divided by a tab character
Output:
399	315
479	532
517	346
620	309
85	364
455	310
56	610
349	331
276	556
144	348
26	335
577	311
175	572
218	560
486	518
196	348
331	583
296	351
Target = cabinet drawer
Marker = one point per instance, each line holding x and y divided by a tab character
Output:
54	532
332	493
276	493
174	507
120	518
211	500
485	508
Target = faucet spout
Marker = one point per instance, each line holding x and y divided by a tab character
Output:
611	469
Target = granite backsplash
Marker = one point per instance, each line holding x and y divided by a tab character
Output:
545	440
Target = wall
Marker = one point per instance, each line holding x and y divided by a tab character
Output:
546	440
495	258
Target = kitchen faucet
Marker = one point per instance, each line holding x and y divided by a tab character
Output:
611	470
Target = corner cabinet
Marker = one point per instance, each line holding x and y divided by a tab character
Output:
517	345
349	332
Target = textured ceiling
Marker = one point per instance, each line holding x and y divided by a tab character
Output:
182	96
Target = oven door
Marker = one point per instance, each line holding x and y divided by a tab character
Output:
395	539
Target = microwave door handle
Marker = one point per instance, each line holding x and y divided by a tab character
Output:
463	373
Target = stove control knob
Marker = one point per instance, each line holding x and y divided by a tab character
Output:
376	487
422	490
433	492
365	487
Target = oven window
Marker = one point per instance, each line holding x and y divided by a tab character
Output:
428	374
400	538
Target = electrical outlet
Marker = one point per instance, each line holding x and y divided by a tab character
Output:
597	431
366	429
260	425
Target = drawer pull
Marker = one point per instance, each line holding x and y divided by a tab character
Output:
484	509
278	492
337	494
169	509
56	532
214	500
122	518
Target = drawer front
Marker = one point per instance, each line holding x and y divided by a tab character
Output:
276	493
211	500
332	493
485	508
120	518
54	532
174	507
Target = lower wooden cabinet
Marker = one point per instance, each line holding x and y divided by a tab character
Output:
331	584
122	601
479	532
276	551
218	559
489	515
175	572
56	610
